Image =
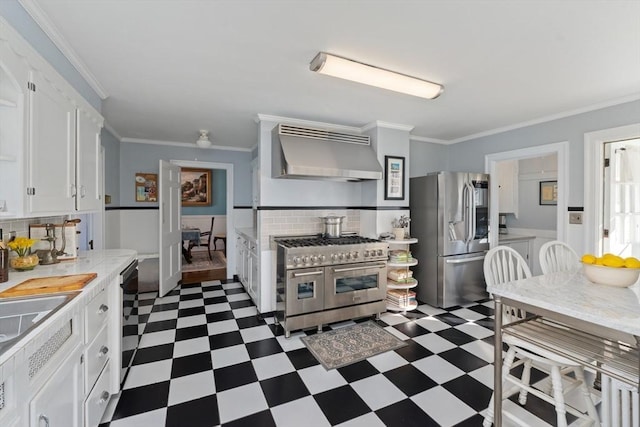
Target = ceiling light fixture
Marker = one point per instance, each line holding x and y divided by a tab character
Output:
348	69
203	140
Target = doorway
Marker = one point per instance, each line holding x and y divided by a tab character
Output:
599	211
560	150
229	243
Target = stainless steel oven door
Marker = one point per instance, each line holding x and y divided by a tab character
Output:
304	291
350	284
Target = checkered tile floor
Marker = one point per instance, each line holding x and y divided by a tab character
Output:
206	358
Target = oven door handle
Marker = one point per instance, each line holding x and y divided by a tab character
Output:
365	267
310	273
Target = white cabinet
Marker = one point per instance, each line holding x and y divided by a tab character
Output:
508	186
400	279
88	165
248	269
521	245
59	401
51	149
49	138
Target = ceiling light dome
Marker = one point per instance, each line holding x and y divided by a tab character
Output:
203	140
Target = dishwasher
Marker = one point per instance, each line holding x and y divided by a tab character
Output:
130	337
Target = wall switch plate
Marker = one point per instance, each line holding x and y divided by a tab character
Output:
575	217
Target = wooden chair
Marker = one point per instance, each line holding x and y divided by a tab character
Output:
557	256
209	236
503	264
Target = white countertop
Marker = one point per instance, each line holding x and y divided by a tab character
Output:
106	264
574	295
505	238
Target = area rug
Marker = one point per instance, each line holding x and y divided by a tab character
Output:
200	261
350	344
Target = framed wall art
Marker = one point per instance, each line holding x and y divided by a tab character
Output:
146	187
393	178
548	192
195	186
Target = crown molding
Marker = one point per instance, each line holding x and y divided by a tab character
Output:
43	21
427	139
182	144
112	131
386	125
562	115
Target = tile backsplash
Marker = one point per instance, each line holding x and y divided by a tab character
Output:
21	226
301	222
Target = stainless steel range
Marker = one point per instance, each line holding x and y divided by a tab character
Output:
324	280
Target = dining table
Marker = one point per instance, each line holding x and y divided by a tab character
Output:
190	238
595	325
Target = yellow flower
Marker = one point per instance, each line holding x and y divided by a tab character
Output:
21	245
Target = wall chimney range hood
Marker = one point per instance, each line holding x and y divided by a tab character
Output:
307	153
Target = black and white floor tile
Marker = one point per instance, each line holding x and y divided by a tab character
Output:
206	358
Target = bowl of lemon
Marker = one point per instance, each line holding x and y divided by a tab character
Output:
611	270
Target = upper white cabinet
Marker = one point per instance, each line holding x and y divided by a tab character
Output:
508	186
88	165
51	149
49	137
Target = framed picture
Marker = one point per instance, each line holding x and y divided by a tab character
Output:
548	192
195	186
146	187
393	178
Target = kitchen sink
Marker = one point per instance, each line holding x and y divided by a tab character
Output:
18	316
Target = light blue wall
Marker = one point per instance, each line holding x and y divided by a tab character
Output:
20	20
469	155
111	167
145	158
218	196
428	157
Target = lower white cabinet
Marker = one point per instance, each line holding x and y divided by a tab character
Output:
97	401
248	267
59	401
523	247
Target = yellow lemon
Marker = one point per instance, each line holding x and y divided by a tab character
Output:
608	255
588	259
613	261
632	262
599	261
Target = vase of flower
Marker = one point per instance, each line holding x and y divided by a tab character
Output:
25	259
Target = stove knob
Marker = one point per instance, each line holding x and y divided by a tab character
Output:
341	256
334	257
379	252
314	259
348	255
306	260
366	253
296	260
322	258
356	254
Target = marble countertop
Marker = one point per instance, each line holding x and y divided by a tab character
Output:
107	264
572	294
505	238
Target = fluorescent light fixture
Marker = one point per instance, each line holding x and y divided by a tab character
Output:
344	68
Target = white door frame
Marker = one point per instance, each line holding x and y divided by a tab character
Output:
561	149
593	179
231	242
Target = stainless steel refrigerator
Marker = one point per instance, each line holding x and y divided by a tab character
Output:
450	219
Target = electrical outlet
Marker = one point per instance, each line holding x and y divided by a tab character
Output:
575	218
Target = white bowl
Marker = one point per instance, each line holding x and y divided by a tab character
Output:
621	277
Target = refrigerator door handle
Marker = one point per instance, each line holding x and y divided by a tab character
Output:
464	260
472	189
470	212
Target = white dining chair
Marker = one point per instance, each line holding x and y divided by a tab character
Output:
557	256
503	264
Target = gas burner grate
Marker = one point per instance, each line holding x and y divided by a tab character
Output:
302	242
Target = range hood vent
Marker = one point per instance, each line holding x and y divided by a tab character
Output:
307	153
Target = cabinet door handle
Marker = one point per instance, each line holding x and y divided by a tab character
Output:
82	192
45	419
104	397
103	351
103	309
